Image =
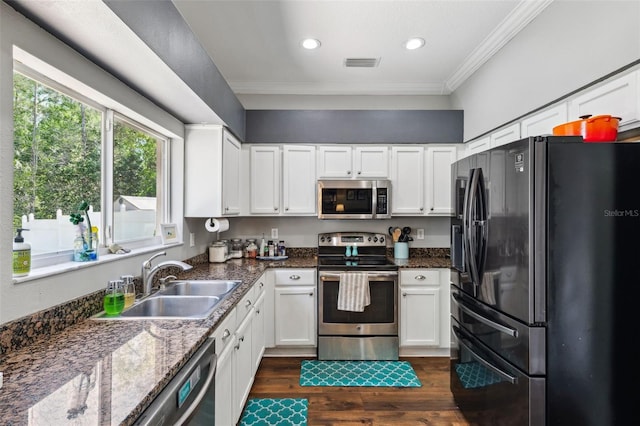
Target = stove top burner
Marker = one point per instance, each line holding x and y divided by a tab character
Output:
361	262
335	248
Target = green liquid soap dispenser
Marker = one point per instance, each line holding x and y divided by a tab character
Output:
21	255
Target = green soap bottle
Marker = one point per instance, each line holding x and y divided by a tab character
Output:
21	255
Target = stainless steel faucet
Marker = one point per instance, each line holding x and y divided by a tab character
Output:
148	272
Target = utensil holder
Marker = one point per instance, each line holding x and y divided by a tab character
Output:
401	250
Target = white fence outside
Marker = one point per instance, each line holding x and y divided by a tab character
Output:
49	236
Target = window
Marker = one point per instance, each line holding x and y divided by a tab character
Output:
68	150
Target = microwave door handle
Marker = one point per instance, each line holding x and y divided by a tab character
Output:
461	340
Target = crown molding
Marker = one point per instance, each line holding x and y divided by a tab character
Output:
288	88
519	17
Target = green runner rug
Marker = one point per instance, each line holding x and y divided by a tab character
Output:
358	373
275	412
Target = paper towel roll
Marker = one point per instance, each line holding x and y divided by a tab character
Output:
216	225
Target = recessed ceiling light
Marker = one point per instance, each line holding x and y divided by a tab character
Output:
310	43
414	43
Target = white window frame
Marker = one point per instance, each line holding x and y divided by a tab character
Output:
106	225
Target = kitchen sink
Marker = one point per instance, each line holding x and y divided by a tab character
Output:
218	288
174	307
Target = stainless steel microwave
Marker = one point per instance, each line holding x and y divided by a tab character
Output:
354	199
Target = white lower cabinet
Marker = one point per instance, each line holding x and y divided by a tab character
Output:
424	308
225	341
243	365
257	333
295	307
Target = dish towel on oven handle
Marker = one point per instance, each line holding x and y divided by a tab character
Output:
353	292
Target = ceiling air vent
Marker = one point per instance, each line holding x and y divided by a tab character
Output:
361	62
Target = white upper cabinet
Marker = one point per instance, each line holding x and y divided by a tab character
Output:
407	180
478	145
371	162
506	135
347	162
299	180
265	179
619	98
438	179
543	122
282	180
212	171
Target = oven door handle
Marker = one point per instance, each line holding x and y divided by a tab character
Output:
324	276
461	340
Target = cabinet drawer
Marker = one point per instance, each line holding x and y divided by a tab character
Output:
245	305
259	286
224	331
419	277
295	276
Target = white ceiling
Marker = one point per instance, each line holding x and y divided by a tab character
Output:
256	44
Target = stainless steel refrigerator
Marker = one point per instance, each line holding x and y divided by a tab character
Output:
545	248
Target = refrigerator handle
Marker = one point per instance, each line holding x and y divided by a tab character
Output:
506	376
469	226
483	224
496	326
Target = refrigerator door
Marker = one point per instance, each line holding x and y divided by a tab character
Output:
489	390
499	241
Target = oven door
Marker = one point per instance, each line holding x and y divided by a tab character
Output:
380	318
489	390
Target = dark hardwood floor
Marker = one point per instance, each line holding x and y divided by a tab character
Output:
431	404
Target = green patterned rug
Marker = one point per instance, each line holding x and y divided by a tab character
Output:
358	373
275	412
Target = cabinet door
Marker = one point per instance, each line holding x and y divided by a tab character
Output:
299	180
334	162
295	315
371	162
231	159
257	334
506	135
225	408
419	316
438	181
243	366
407	180
479	145
265	180
544	122
620	98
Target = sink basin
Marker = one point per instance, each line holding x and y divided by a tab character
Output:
218	288
175	307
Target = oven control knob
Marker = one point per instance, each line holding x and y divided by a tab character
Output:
382	239
369	238
375	239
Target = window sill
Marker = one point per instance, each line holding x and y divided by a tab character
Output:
65	267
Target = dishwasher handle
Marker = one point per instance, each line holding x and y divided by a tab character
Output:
203	392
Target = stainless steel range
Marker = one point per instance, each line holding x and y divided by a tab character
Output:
350	334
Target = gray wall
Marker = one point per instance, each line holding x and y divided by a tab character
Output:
162	28
569	45
354	126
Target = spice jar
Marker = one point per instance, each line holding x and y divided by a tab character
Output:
236	248
252	249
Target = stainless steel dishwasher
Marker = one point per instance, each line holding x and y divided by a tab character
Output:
189	399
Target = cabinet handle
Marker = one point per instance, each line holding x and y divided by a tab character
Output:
226	334
431	209
421	277
311	294
294	277
257	311
421	209
286	209
261	284
241	339
348	172
248	303
359	172
404	294
226	209
275	209
236	347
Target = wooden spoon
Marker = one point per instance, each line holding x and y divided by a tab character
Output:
396	234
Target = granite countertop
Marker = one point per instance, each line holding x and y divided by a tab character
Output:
100	372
